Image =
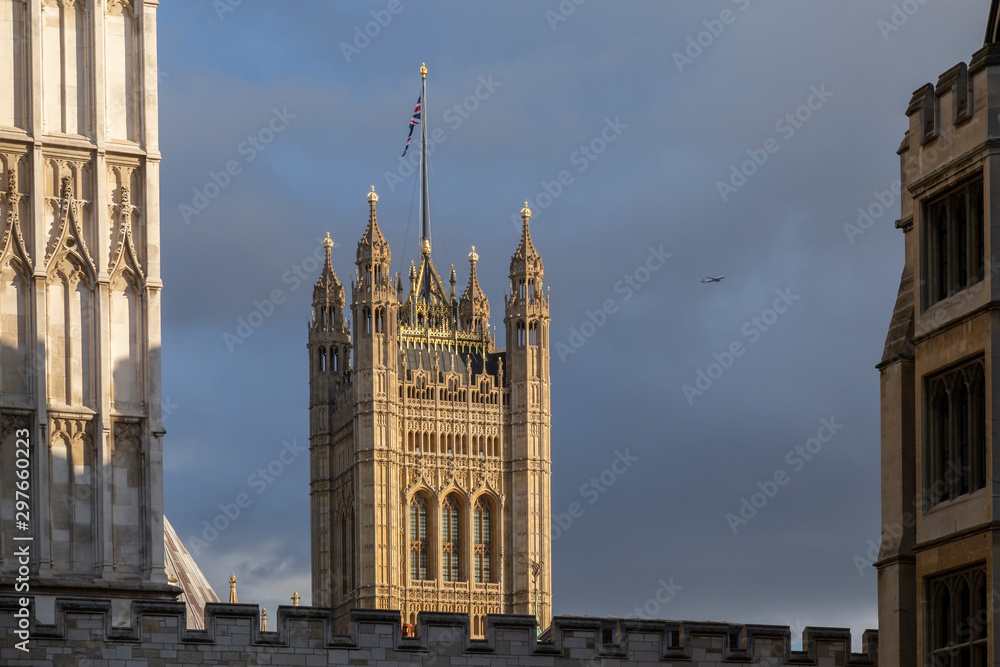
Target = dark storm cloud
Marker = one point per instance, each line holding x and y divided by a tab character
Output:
555	86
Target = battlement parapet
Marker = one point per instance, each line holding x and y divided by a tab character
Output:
83	635
954	122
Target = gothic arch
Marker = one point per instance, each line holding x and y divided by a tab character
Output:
126	340
15	301
70	331
485	537
420	532
454	523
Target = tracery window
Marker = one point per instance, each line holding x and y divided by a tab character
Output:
956	432
958	619
954	250
482	539
418	539
450	542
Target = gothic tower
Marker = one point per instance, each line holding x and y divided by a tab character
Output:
430	487
526	320
938	564
329	379
80	297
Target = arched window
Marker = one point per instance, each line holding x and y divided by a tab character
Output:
322	359
482	539
335	360
450	540
959	616
418	539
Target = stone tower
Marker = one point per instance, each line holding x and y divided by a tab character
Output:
526	320
938	564
80	295
429	462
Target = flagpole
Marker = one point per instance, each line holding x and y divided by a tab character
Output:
425	207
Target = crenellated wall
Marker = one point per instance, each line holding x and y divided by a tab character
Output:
83	635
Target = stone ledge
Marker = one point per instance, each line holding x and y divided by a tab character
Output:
159	628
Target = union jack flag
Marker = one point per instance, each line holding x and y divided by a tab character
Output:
414	121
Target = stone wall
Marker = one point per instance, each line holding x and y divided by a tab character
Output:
83	635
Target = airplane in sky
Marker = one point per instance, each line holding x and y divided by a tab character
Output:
710	279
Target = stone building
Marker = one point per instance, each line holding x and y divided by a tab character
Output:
938	565
80	295
430	455
430	446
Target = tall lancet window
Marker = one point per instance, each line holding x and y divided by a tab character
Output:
70	301
13	331
450	544
125	341
418	538
483	542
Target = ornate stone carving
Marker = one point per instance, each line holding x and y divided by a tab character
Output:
124	251
13	239
69	232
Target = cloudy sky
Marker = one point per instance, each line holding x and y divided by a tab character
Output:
647	112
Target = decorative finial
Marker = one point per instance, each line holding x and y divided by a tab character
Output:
328	242
232	589
372	196
423	71
295	598
526	212
473	256
263	620
426	246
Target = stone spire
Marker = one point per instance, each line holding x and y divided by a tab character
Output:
526	259
373	248
328	290
474	307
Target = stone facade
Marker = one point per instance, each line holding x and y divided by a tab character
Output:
83	636
80	294
430	458
938	565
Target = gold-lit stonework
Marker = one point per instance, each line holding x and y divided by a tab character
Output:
430	459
